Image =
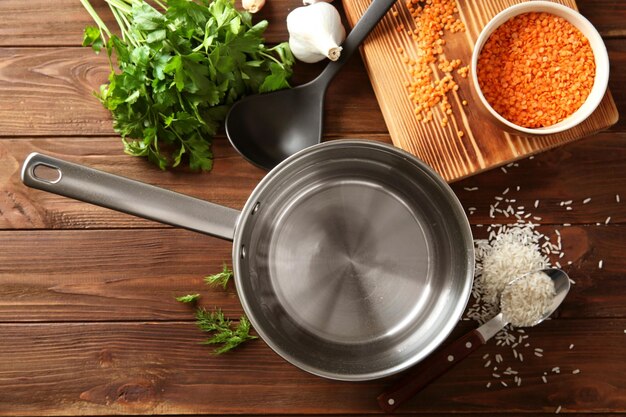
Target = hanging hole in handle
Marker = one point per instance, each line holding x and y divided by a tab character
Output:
47	173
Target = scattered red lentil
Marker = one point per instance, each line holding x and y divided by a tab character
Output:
425	90
536	69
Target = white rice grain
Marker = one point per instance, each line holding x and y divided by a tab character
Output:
527	299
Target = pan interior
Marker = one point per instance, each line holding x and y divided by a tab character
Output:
348	260
356	262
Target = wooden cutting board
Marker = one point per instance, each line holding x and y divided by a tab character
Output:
482	145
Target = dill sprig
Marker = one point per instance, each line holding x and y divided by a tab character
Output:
188	299
221	278
222	330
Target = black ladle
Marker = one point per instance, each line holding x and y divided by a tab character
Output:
267	128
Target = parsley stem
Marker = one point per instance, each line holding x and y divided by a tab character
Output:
120	5
95	17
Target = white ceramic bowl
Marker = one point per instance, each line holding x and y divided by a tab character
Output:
595	41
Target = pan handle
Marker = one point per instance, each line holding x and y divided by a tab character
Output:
427	371
129	196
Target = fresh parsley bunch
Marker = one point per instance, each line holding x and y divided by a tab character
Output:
179	70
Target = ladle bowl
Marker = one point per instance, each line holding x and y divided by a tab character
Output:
267	128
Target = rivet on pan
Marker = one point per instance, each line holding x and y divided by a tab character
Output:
468	345
450	358
243	252
256	207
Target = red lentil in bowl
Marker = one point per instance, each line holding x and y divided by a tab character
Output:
539	68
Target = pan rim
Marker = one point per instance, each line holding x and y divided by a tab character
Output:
467	245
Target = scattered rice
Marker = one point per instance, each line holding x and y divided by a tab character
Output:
504	383
571	346
617	198
608	219
545	380
558	410
600	264
509	251
586	200
576	371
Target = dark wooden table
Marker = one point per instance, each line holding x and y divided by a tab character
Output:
88	320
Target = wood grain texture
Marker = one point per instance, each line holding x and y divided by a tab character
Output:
88	322
483	144
592	168
49	92
126	275
61	22
160	368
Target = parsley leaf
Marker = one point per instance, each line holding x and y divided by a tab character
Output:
180	67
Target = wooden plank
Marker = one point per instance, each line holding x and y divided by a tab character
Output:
592	168
49	91
61	23
469	143
160	368
577	172
230	182
102	275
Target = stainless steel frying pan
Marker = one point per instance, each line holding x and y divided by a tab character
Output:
352	259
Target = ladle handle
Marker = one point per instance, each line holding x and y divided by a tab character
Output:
129	196
374	13
427	371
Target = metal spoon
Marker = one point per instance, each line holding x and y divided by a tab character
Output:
267	128
423	374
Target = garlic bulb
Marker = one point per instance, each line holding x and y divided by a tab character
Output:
315	32
252	6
